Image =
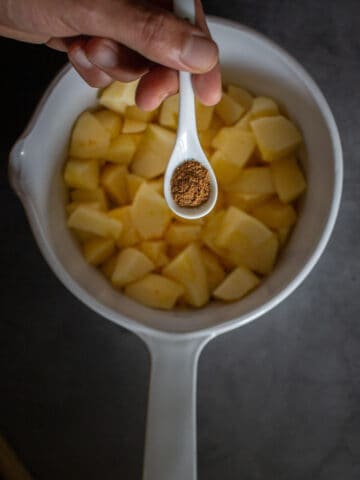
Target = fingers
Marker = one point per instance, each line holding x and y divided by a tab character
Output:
162	82
207	87
155	86
61	44
89	72
99	60
153	32
117	61
200	17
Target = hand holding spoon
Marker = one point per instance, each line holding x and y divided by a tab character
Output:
187	146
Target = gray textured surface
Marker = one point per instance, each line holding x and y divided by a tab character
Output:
278	399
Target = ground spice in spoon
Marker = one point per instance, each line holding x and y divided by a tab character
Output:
190	184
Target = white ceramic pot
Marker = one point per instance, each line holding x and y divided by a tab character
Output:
175	339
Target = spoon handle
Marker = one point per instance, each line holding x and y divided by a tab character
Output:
187	118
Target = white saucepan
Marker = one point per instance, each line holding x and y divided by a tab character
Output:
175	339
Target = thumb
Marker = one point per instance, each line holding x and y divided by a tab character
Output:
154	32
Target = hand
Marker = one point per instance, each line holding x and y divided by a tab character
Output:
122	40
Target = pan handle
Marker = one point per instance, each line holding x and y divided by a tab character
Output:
170	449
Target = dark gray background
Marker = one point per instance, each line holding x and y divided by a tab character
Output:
278	399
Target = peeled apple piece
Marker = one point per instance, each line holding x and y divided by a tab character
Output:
288	179
82	174
263	107
118	96
131	265
111	121
276	137
240	95
189	270
236	144
155	291
89	138
237	284
229	110
98	250
153	152
150	213
90	220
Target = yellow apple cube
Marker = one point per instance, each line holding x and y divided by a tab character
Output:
98	250
262	259
229	110
225	170
131	265
156	251
90	196
196	221
129	236
283	234
71	207
136	137
118	96
133	126
155	291
153	152
169	112
288	179
89	138
111	121
211	229
236	285
276	137
150	213
214	271
133	184
114	180
188	269
181	234
275	214
133	112
81	173
216	122
121	150
206	137
157	185
244	123
82	236
236	144
246	201
244	241
93	221
263	107
240	232
204	116
241	96
108	267
253	180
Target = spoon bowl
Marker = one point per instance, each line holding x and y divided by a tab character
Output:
187	145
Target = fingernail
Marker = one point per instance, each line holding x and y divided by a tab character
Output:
79	57
199	53
105	57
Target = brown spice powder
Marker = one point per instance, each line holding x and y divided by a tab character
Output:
190	184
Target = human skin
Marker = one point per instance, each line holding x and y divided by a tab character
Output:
122	40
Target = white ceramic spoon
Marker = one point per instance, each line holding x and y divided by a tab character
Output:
187	146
